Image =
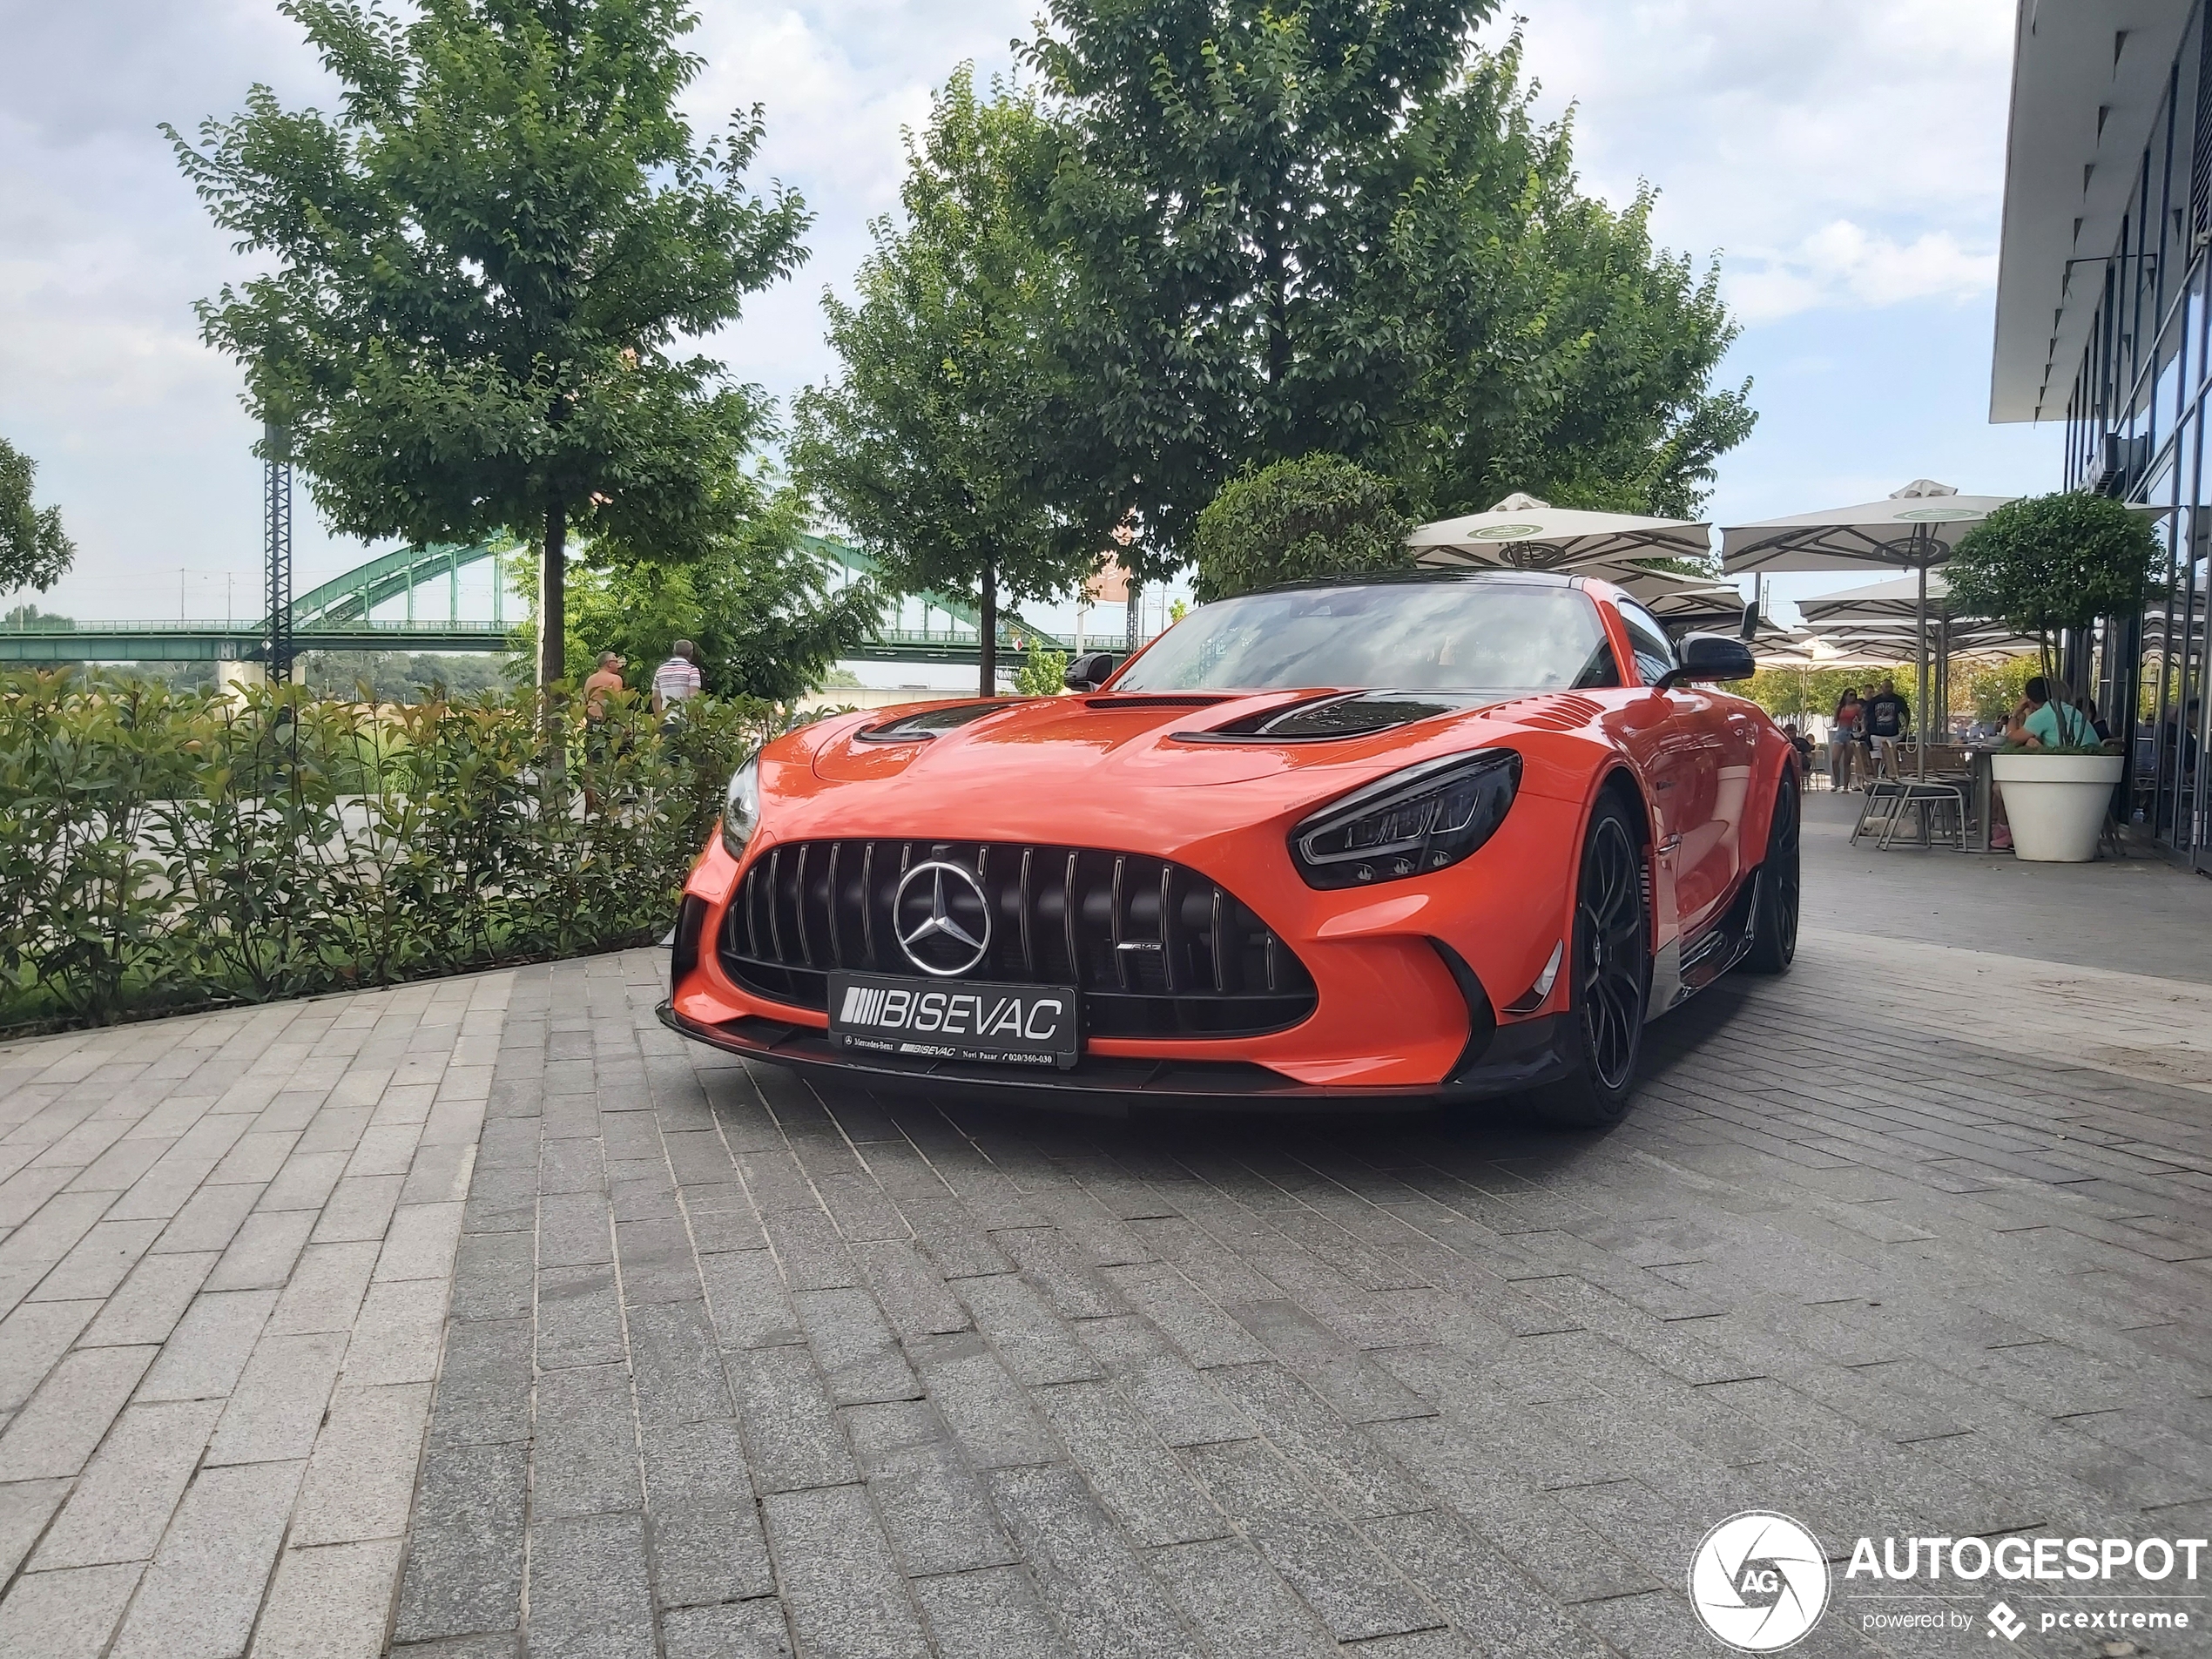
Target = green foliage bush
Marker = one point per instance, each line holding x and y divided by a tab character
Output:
1319	515
2046	563
161	849
1043	674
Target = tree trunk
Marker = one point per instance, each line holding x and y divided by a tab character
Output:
987	634
553	601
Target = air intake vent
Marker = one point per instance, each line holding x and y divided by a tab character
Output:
1157	950
1558	712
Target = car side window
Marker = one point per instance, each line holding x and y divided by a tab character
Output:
1601	672
1647	643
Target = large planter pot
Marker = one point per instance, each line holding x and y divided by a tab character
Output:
2056	804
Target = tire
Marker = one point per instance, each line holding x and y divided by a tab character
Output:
1774	929
1612	977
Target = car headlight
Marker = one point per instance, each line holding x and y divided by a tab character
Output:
1410	823
741	809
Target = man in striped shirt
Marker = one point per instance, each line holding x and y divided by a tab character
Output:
674	681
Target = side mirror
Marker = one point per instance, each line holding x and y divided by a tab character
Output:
1088	671
1710	657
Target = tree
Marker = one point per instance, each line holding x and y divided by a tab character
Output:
1990	690
399	677
1043	674
34	553
1793	693
759	606
2044	564
1304	226
943	450
1296	521
485	266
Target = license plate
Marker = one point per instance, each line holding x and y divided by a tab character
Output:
921	1019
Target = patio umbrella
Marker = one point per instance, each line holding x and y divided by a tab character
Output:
1681	602
1897	600
1827	651
1914	529
1521	533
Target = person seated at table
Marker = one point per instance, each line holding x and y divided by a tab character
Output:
2086	706
2042	722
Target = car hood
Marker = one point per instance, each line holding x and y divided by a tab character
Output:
1134	770
1135	739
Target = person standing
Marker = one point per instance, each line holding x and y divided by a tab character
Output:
1889	716
601	742
676	681
1843	739
605	679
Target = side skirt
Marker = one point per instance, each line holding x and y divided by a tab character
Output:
1683	969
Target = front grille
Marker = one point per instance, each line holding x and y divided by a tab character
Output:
1157	950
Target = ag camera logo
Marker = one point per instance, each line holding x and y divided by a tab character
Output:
1758	1581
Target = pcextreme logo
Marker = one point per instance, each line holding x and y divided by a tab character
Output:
1759	1582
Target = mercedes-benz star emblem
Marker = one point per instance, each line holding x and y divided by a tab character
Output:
953	934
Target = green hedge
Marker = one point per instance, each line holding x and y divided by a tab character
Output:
162	849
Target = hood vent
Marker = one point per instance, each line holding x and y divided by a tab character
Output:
1335	718
1558	712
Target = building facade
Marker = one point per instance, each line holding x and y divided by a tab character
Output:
2101	323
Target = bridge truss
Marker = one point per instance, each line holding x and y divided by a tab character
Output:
340	616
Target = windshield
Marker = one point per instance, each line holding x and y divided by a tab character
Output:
1410	636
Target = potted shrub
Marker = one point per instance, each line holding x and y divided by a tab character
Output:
2042	565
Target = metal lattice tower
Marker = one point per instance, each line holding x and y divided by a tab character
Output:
276	519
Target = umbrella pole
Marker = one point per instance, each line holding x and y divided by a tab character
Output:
1920	642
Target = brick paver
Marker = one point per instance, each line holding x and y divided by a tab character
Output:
1912	1240
222	1294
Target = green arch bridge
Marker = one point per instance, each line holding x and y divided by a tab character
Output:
339	616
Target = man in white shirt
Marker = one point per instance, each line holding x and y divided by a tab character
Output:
676	679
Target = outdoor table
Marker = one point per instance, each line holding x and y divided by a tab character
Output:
1978	832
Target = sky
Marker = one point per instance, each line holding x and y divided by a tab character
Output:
1843	163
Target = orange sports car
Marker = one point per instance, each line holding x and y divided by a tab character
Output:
1377	840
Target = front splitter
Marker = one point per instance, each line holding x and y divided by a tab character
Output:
1521	1055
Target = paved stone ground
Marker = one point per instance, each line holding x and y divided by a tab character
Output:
227	1242
1914	1240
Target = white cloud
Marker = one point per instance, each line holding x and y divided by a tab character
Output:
1843	264
1846	158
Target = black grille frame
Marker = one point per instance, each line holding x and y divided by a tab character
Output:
1156	949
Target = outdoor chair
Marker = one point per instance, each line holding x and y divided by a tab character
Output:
1880	800
1930	801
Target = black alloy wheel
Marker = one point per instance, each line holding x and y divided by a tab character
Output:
1773	929
1612	983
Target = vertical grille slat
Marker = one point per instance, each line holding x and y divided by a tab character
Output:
868	906
1028	949
1068	901
1220	970
799	904
1219	945
1167	929
775	901
1121	962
